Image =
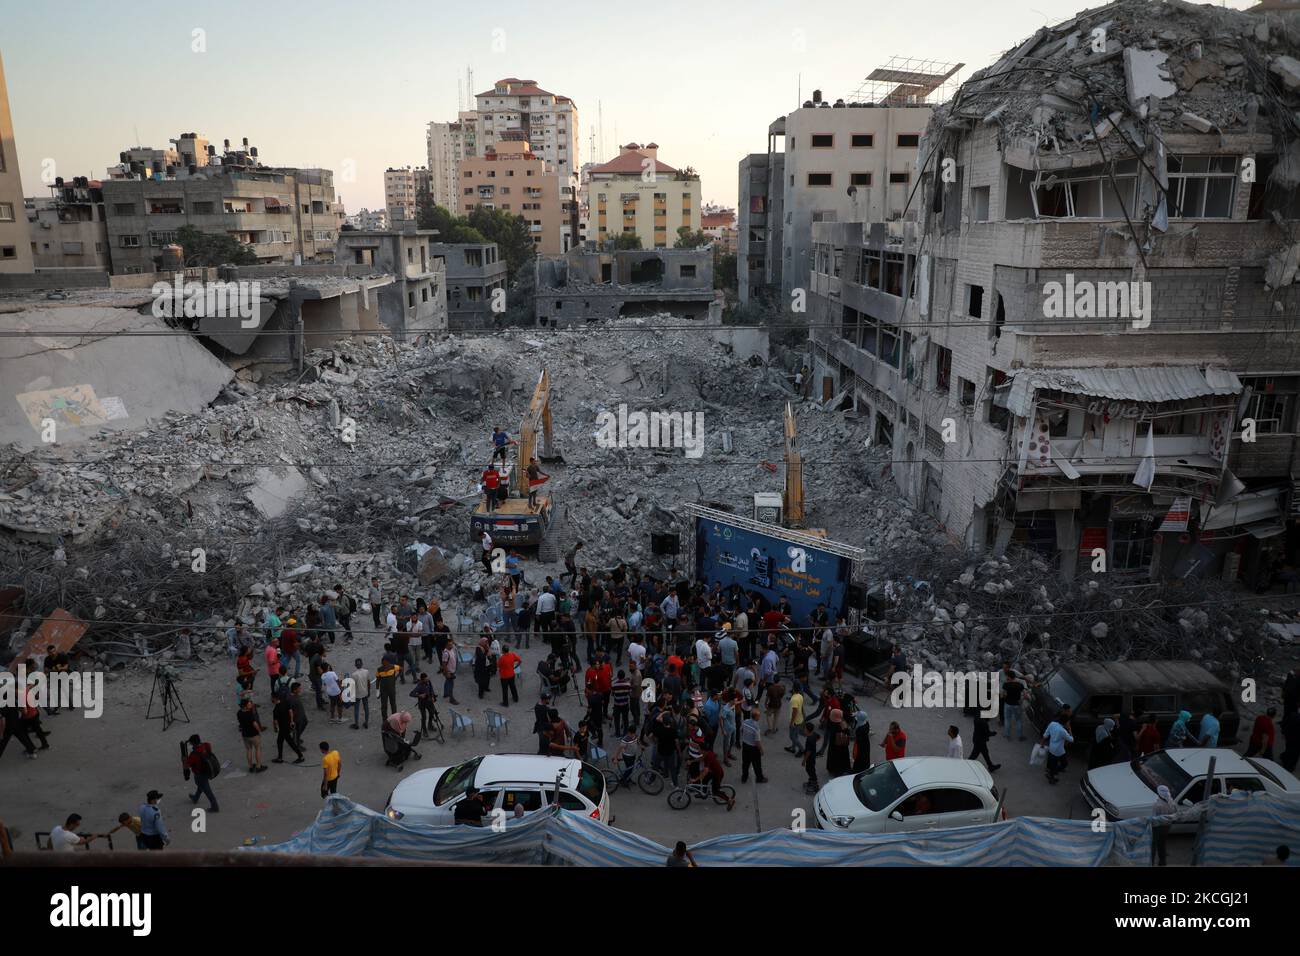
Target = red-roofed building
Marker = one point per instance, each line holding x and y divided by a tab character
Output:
720	226
548	122
636	192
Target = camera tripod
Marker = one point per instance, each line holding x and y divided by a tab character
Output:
169	698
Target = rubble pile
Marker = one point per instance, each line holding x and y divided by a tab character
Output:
297	484
966	614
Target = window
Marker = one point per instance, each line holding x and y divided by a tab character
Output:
893	273
162	238
129	242
123	209
1132	545
8	252
909	140
688	272
202	208
6	212
1272	404
943	369
424	294
410	299
860	179
979	203
967	393
1155	703
1201	187
889	345
974	301
896	179
862	140
823	141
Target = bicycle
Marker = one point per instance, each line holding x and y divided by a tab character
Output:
680	798
650	781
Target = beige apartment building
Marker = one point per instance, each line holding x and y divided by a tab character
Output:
548	122
69	230
447	145
636	193
402	189
15	244
513	178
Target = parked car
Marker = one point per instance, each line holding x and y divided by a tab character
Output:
1127	791
913	793
1163	688
504	781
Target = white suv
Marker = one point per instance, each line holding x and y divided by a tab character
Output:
504	781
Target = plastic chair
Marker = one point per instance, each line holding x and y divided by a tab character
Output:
598	757
465	656
497	724
461	722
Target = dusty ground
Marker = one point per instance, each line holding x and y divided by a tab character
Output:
101	767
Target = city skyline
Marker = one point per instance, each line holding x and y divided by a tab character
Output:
245	83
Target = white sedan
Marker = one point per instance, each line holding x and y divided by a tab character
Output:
913	793
1128	791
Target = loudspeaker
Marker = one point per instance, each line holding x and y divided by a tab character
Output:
855	596
665	543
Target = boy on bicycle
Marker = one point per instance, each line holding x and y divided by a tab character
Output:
711	772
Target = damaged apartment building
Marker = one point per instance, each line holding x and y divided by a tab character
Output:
589	284
1086	342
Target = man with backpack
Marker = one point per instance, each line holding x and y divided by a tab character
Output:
203	764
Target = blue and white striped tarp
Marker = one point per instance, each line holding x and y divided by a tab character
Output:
1247	830
344	828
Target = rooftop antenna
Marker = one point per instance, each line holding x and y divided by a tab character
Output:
600	122
470	101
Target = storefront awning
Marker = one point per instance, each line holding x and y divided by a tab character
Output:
1257	512
1150	384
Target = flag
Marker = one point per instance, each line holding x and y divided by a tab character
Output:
1146	472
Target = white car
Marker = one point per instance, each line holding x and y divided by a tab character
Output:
504	781
1125	794
912	793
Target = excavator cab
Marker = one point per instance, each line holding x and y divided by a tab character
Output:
515	521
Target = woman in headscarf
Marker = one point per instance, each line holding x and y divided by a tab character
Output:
1179	733
861	742
1103	747
837	748
482	665
1164	807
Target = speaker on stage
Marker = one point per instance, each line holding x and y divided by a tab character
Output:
665	543
855	596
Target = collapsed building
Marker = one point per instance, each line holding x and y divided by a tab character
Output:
1086	343
588	285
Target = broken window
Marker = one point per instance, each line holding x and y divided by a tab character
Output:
942	369
1132	544
869	333
999	316
979	204
893	273
1272	404
951	202
850	325
889	345
975	301
999	388
820	179
967	393
871	266
1201	187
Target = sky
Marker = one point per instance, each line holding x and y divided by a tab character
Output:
350	85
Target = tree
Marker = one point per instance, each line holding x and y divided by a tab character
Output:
691	240
424	209
510	233
627	240
452	228
724	271
213	248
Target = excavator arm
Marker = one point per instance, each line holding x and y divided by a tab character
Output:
536	419
792	493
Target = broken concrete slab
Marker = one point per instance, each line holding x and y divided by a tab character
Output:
1146	75
1288	68
274	489
433	567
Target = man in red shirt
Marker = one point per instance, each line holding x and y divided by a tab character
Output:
599	679
773	620
895	742
491	479
1262	735
711	771
507	664
1148	737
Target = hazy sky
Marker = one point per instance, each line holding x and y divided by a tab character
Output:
321	82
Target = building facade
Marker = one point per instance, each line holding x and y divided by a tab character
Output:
369	220
474	272
281	214
511	177
402	188
1087	349
596	285
759	224
417	302
69	229
548	122
635	193
15	239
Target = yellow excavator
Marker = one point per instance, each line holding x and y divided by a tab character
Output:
516	521
792	492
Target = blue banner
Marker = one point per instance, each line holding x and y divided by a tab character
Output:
775	568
